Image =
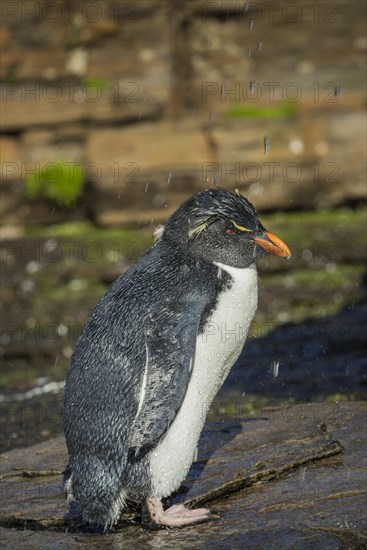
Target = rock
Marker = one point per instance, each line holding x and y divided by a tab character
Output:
10	157
12	202
32	65
55	47
309	166
279	180
293	474
318	357
136	173
16	209
97	30
47	146
149	147
4	39
51	104
344	180
143	61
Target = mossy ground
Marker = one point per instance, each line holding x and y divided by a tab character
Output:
51	295
58	273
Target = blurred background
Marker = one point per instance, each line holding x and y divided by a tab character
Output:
114	112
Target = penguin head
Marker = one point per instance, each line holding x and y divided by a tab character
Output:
222	227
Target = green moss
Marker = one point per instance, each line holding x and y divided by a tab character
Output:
282	110
340	397
60	182
318	279
95	82
307	226
86	231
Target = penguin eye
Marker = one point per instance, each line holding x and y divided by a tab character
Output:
230	232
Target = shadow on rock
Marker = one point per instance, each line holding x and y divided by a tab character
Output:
314	359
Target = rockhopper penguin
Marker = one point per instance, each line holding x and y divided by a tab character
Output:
152	357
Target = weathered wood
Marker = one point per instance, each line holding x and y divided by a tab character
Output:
296	474
247	480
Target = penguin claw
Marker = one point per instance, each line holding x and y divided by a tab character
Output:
176	516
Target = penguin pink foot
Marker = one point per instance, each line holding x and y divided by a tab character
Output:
154	516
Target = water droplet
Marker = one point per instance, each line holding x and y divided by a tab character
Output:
275	368
253	87
259	47
62	330
223	91
302	473
169	178
266	145
251	24
337	90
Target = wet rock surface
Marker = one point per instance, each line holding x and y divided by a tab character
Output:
294	477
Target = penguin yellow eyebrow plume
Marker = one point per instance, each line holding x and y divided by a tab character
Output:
239	227
199	229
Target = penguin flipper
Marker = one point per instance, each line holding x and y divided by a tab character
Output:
170	338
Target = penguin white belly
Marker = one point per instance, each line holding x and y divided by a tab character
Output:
217	348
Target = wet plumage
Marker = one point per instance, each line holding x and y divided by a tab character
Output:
152	357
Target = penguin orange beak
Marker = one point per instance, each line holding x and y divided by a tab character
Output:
274	245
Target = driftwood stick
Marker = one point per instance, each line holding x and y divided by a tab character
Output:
246	480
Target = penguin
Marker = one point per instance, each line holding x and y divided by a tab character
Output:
154	353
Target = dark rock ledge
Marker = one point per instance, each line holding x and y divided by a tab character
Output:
293	477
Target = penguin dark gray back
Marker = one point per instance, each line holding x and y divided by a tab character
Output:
151	358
